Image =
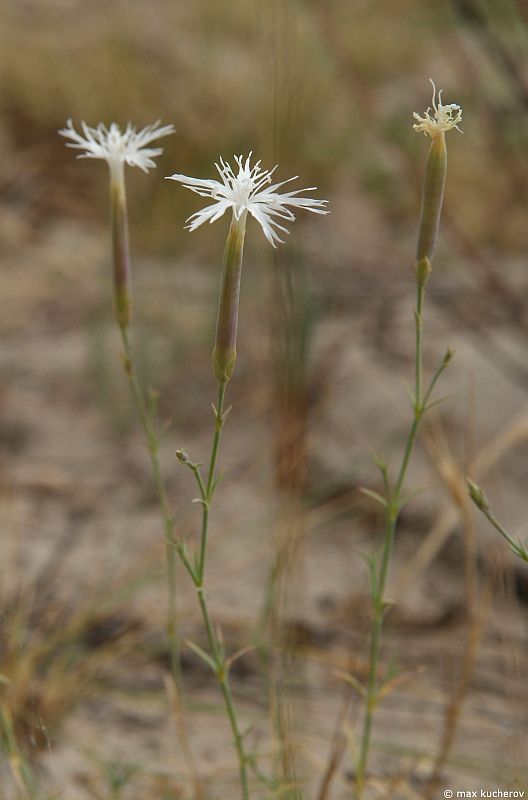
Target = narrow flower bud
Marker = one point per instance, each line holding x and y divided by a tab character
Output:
224	352
120	245
449	355
478	496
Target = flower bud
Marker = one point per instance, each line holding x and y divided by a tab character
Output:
449	355
478	496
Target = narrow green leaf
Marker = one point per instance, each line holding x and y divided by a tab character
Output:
202	654
391	673
374	496
410	496
353	681
411	395
216	482
434	403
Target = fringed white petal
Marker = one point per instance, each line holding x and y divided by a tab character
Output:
249	189
116	146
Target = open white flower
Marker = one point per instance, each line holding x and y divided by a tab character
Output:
249	190
115	146
441	120
118	148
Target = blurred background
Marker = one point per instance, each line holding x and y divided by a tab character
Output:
326	89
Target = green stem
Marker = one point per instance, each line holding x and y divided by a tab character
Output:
198	575
418	364
217	435
391	521
431	208
239	743
517	548
222	674
209	487
149	428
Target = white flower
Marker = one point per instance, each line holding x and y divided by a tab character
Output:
115	146
444	118
249	190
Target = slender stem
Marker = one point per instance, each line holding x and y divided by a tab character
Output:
482	503
147	415
222	675
217	434
209	488
149	428
418	363
197	575
391	521
517	548
431	207
239	743
375	640
498	527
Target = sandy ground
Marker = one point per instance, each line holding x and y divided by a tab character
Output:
78	510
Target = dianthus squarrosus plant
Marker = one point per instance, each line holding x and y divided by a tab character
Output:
245	190
435	123
119	148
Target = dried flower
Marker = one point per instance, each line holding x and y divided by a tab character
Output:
248	190
117	147
477	495
441	120
445	118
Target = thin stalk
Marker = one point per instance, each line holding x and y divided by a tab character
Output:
435	125
149	428
223	680
482	503
197	574
209	488
148	423
393	509
122	302
514	546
